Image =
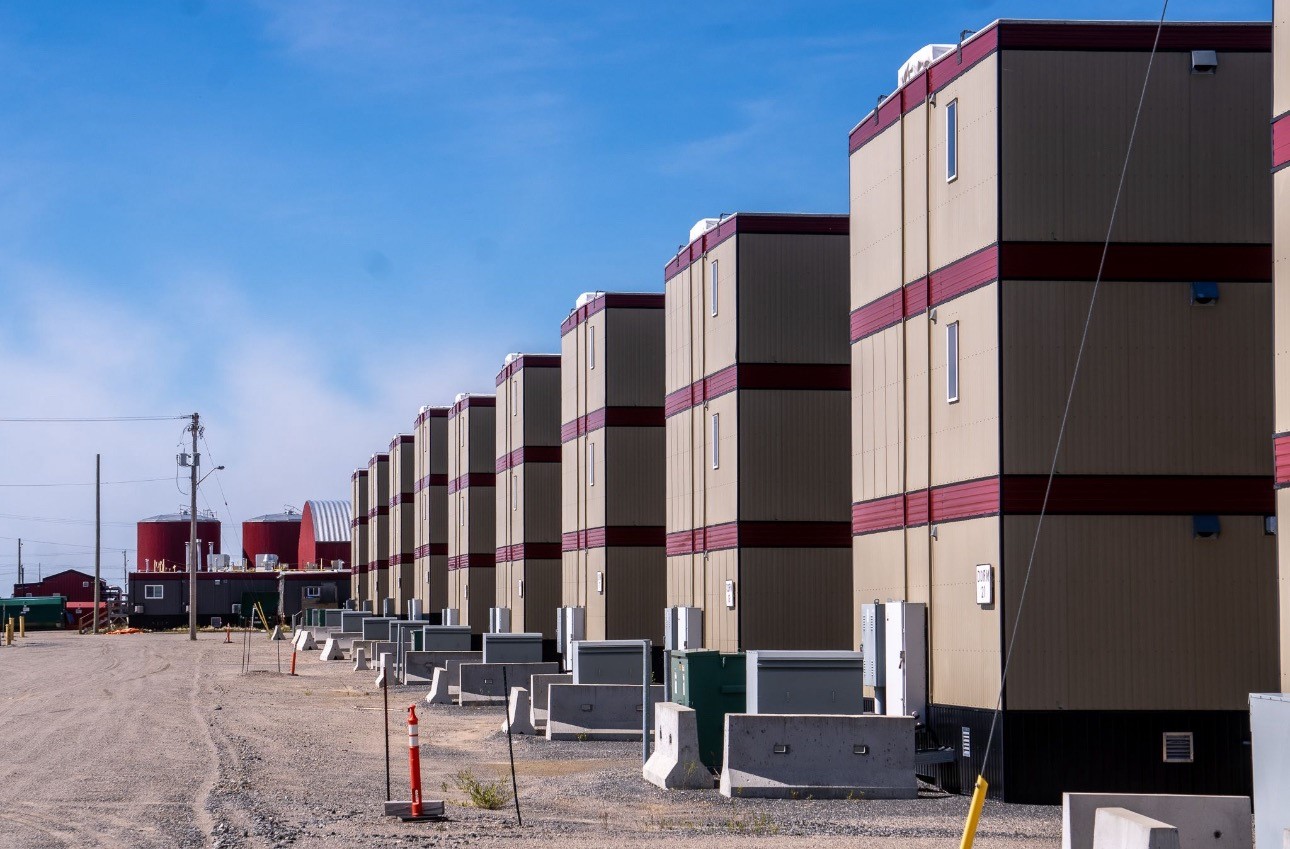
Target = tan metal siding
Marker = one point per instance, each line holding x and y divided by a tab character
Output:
1165	387
1283	594
789	446
966	444
681	471
964	213
877	433
1133	613
1281	289
915	199
966	657
875	218
793	598
792	300
1199	173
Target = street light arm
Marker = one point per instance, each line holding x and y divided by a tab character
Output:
208	474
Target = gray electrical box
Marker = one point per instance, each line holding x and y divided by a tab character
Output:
683	629
377	628
872	644
906	659
570	625
513	648
800	682
450	616
499	620
351	621
445	638
1270	747
607	662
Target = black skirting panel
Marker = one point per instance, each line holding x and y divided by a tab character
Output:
1038	755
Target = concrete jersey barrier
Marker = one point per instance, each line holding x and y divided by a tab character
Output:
482	683
675	763
1213	822
597	711
819	756
1116	828
539	690
419	666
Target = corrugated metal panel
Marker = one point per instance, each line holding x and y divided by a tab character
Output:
1134	613
1202	150
540	483
793	598
1197	399
915	183
635	594
964	637
329	520
792	299
634	355
542	595
967	431
875	228
788	447
876	416
633	476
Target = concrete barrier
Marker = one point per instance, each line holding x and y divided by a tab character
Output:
674	763
539	690
331	650
518	713
385	667
360	659
306	641
439	694
819	756
277	634
1116	828
598	711
1214	822
482	683
419	666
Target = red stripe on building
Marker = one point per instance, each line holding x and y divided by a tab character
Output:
756	223
431	413
459	483
529	551
1281	141
1140	495
611	300
471	561
358	521
611	417
1281	455
759	376
401	498
401	439
373	512
730	535
432	550
431	480
638	536
878	315
949	281
529	454
374	565
878	514
524	361
400	559
471	401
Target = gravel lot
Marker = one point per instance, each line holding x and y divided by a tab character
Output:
149	740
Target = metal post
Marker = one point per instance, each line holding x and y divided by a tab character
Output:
98	532
647	707
193	551
385	694
510	747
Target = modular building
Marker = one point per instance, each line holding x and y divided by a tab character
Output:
163	540
272	541
471	508
758	416
612	464
1281	312
981	193
160	600
359	537
38	613
528	492
378	531
430	536
72	584
403	585
325	535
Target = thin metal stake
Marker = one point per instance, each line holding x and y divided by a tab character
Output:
385	690
510	747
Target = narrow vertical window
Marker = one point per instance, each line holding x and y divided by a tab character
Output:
952	141
716	440
461	510
515	407
713	270
515	492
591	463
591	347
952	362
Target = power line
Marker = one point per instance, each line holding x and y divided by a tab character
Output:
71	419
59	520
90	483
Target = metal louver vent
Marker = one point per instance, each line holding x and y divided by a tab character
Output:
967	742
1178	747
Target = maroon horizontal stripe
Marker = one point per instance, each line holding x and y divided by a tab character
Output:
431	413
946	503
382	510
759	376
400	559
1141	495
949	281
524	361
759	535
376	565
460	482
1136	262
358	473
358	521
529	454
471	401
401	498
638	536
1281	141
471	561
431	480
611	300
401	439
1281	454
434	549
528	551
611	417
756	223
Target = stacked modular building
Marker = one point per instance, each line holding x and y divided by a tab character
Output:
325	530
528	492
377	584
471	508
359	532
1281	339
403	586
430	536
980	196
272	541
758	415
612	464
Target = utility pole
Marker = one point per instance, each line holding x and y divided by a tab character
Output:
193	551
98	532
21	579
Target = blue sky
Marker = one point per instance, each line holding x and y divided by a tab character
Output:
305	219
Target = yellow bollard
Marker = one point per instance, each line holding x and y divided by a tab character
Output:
974	813
22	627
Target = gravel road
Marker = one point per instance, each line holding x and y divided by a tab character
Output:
149	740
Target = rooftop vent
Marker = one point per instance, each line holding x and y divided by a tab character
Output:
512	357
702	226
461	396
921	61
1179	747
1204	61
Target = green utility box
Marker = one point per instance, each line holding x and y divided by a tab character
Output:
713	684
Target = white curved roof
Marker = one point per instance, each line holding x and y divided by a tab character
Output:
330	520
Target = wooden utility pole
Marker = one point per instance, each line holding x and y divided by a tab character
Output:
98	532
193	551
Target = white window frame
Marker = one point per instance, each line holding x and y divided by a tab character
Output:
313	592
591	464
515	407
716	440
714	288
952	375
952	141
150	595
515	492
461	509
591	346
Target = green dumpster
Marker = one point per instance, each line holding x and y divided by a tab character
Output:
713	684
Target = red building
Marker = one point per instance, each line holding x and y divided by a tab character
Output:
276	533
324	534
163	540
73	585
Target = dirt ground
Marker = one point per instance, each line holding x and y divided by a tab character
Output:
149	740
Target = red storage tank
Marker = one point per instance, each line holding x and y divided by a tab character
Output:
324	534
274	533
162	541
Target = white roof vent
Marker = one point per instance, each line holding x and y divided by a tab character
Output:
586	298
424	408
461	396
512	357
702	226
921	61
